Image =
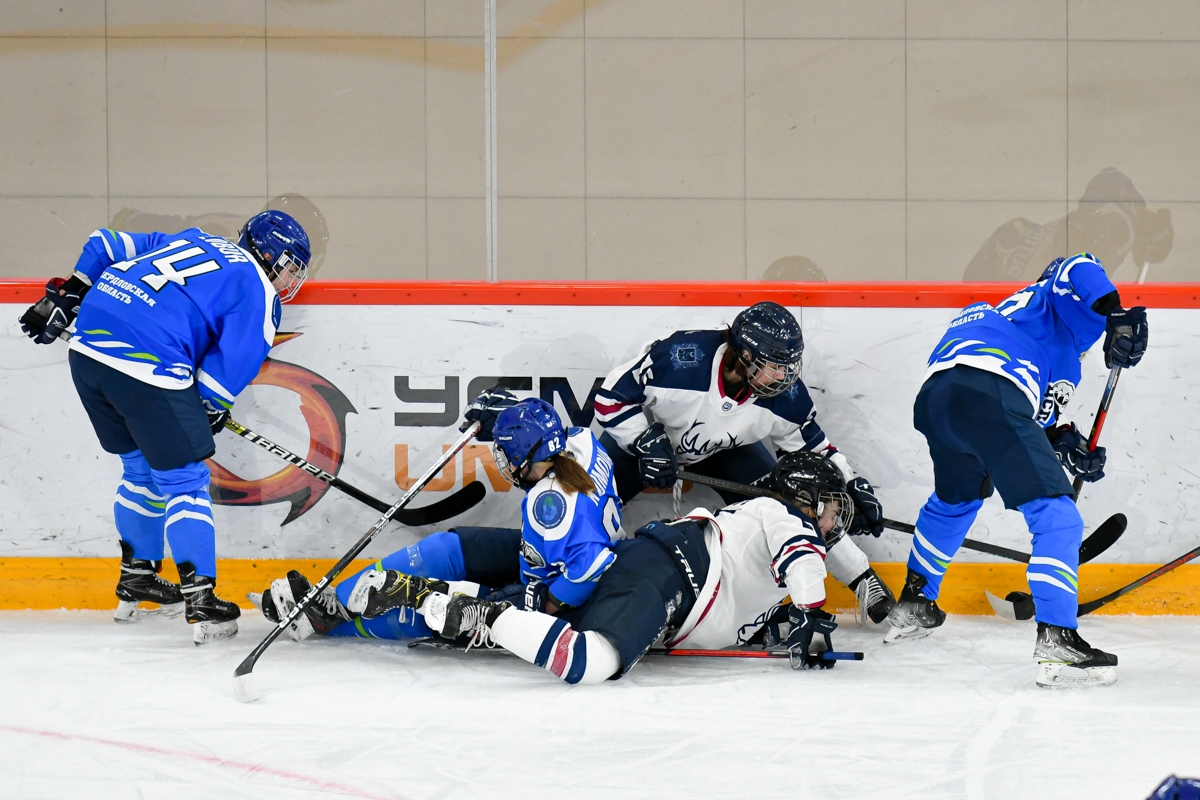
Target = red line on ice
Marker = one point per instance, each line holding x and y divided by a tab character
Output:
215	761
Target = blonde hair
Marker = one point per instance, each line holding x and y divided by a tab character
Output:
570	474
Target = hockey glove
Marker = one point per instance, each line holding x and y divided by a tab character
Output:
806	623
216	417
49	317
656	457
1126	334
484	410
868	511
1071	448
775	631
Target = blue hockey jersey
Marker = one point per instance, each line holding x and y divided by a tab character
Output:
173	309
567	536
1036	338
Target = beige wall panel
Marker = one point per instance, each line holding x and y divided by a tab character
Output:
185	18
665	118
539	18
41	237
346	116
187	117
457	244
52	128
1136	106
986	19
1124	19
821	19
668	19
825	119
848	240
1182	263
997	241
666	240
346	18
62	18
223	216
540	239
540	119
986	120
374	238
455	18
454	117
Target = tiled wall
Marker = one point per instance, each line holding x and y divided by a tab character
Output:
639	139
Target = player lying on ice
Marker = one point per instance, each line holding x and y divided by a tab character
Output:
725	403
996	386
170	328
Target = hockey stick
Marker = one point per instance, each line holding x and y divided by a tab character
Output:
463	500
244	685
1114	375
828	655
1092	605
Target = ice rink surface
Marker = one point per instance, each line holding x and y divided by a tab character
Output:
92	709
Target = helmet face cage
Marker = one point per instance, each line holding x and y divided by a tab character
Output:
779	376
845	512
287	276
509	470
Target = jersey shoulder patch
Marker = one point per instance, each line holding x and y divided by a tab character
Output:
550	508
550	511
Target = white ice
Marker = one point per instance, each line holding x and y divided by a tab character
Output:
92	709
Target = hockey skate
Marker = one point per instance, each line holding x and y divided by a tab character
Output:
459	614
211	617
377	593
913	616
874	598
1067	661
320	616
140	583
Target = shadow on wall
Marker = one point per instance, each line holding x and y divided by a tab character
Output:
794	268
230	225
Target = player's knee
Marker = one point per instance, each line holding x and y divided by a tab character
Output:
439	555
136	469
1053	515
182	480
596	659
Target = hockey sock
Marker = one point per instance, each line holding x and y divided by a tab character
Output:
138	508
399	623
941	528
1053	571
845	561
552	644
189	519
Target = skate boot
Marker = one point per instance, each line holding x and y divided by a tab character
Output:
455	615
913	616
322	615
139	582
377	592
1067	661
211	617
874	598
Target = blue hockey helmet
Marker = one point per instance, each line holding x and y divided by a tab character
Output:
767	339
524	434
280	246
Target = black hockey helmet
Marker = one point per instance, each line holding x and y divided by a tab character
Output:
767	339
810	480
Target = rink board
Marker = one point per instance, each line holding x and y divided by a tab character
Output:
371	379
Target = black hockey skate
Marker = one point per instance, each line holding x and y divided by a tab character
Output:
211	617
378	592
914	616
140	583
874	598
1067	661
459	614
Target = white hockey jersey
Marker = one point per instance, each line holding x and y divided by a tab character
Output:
759	552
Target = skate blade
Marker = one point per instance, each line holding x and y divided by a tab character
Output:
205	632
128	611
1057	675
904	634
255	599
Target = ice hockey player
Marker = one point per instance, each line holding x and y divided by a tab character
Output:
705	581
570	519
170	328
725	403
997	384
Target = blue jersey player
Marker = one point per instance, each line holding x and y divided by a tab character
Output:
169	329
995	388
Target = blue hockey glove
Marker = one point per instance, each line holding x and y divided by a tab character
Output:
216	417
513	594
484	410
536	594
868	511
1071	448
656	457
806	623
49	317
1126	334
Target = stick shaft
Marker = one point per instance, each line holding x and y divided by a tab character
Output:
828	655
1110	388
1092	605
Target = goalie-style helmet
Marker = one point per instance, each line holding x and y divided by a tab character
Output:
810	480
524	434
767	339
280	246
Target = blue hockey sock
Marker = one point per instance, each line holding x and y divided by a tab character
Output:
138	508
399	623
189	519
1053	571
941	528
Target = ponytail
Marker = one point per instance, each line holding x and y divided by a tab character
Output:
571	475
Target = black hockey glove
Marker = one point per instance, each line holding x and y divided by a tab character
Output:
868	511
216	417
656	457
806	623
1071	448
45	320
484	410
1126	334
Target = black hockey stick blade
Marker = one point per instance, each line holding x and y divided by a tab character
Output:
1092	605
460	502
1102	538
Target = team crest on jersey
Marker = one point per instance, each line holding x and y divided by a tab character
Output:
532	557
1058	394
727	405
550	508
686	356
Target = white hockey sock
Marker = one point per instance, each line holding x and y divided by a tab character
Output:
845	561
469	588
552	644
